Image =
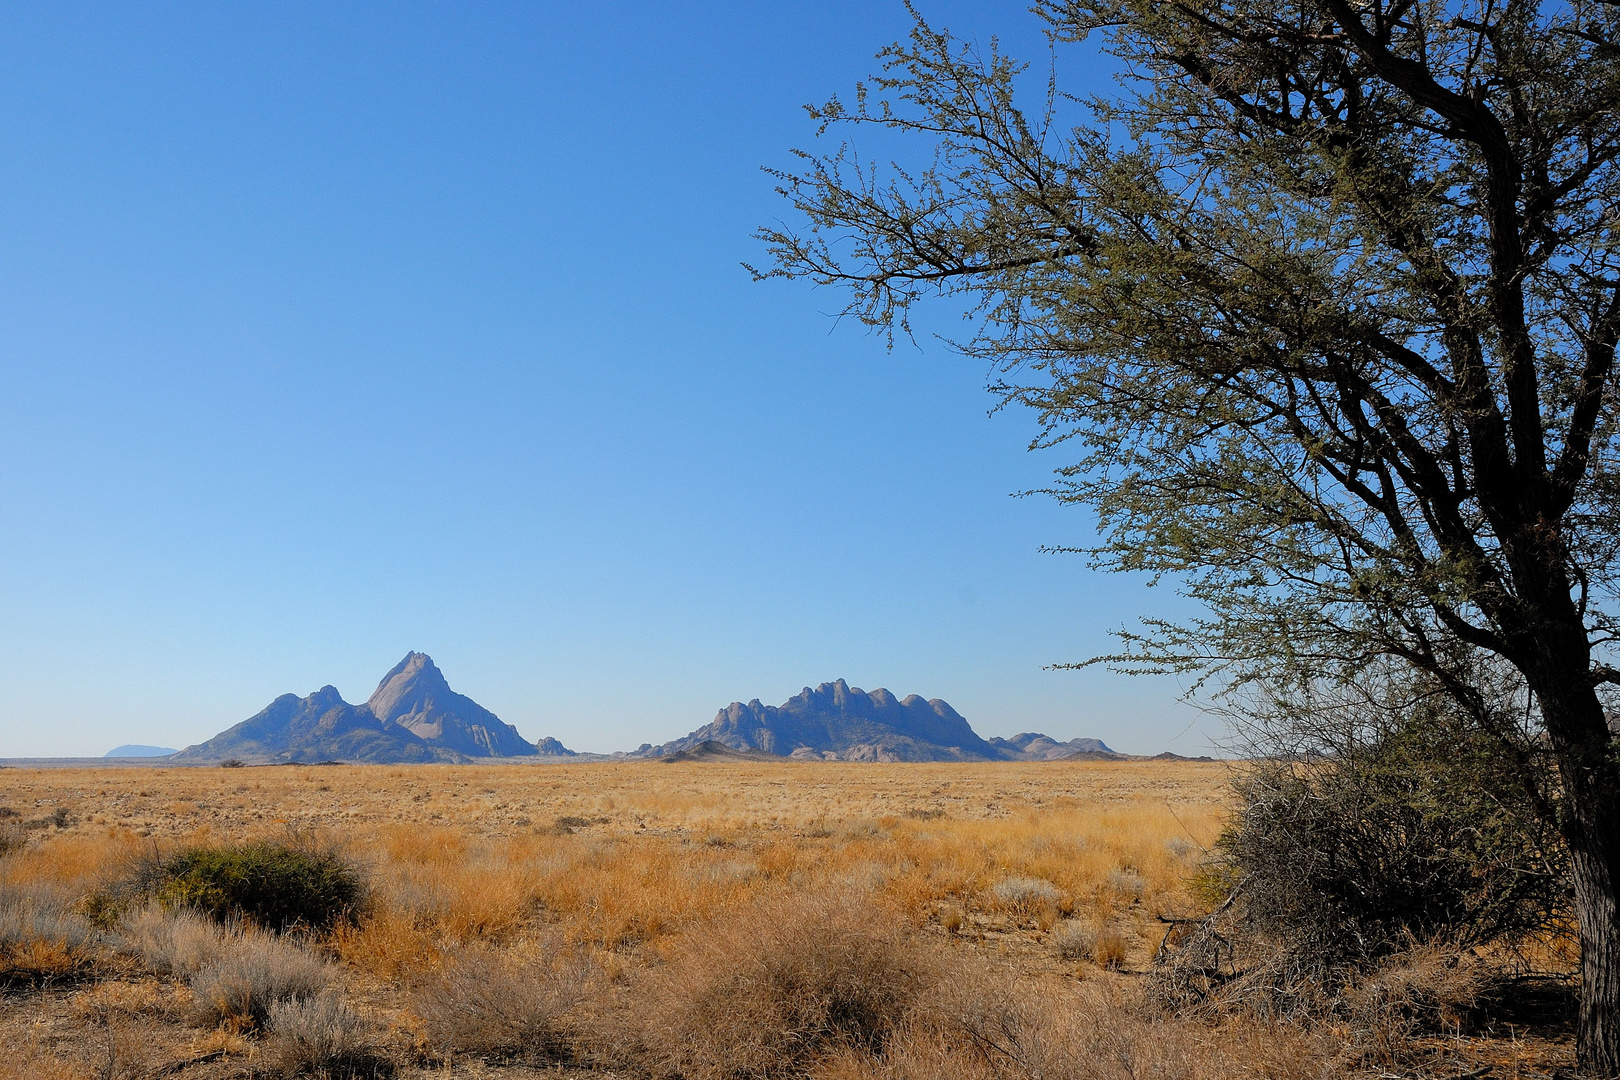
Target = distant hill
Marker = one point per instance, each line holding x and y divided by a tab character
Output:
837	722
413	716
710	750
137	750
1032	746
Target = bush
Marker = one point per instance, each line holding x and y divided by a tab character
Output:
764	993
41	939
277	886
1414	832
173	942
12	837
1411	839
1025	895
1109	948
983	1025
321	1035
251	975
1073	940
496	1006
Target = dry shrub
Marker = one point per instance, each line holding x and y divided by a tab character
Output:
1426	990
116	1053
12	836
387	943
41	939
985	1026
1127	883
1073	940
497	1005
1026	896
766	990
1414	828
105	1001
256	972
322	1035
1110	947
173	942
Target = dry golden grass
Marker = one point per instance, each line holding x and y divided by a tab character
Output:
465	853
1045	877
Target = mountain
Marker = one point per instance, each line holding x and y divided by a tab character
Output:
714	751
1032	746
414	716
320	727
549	747
415	696
137	750
838	722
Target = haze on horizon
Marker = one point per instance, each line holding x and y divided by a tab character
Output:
333	332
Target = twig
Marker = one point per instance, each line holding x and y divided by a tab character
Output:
185	1063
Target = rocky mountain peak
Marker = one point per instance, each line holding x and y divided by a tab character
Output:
408	684
415	695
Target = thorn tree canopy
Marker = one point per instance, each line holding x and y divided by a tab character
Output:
1327	304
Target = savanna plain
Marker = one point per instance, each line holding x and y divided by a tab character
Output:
701	920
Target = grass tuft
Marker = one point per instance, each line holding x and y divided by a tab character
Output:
250	976
323	1036
499	1006
764	991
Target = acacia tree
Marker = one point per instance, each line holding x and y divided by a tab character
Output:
1326	302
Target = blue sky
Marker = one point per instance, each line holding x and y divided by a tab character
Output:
332	331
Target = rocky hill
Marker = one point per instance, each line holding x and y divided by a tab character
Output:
838	722
1033	746
413	716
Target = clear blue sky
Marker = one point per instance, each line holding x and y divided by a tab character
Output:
332	331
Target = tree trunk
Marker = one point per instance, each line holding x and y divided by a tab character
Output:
1597	1039
1588	768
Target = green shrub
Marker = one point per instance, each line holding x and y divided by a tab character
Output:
277	886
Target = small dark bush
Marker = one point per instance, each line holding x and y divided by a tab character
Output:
277	886
1416	838
1419	834
232	763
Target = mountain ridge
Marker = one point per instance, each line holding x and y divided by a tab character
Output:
837	722
412	717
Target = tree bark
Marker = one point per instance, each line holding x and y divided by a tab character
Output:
1581	740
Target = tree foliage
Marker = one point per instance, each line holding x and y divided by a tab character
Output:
1326	306
1264	301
